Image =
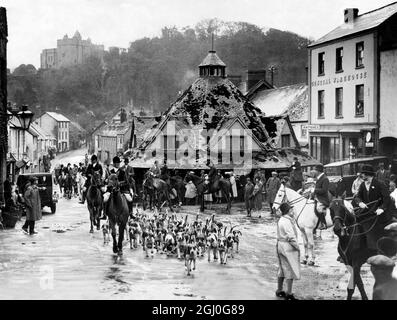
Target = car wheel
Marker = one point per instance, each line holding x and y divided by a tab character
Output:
53	207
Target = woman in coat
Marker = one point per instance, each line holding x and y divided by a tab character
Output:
33	206
288	252
258	196
272	186
233	184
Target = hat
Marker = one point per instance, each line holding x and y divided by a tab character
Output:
94	157
274	173
33	179
319	168
285	208
387	246
381	261
368	170
116	159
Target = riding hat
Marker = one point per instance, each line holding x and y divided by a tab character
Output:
116	159
285	208
368	170
94	157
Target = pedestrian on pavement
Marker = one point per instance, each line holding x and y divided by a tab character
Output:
248	196
258	196
382	175
233	184
288	252
272	186
33	206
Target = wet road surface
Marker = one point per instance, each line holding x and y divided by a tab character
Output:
65	261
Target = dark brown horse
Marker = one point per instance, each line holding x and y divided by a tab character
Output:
147	192
95	200
352	246
118	213
218	184
160	189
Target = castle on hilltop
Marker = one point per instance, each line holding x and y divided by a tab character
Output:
69	52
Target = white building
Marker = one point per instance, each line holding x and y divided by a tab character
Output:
58	125
352	91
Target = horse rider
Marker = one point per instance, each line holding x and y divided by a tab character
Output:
321	194
129	170
155	169
212	173
107	171
124	185
94	166
296	175
374	200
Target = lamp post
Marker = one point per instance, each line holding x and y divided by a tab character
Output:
25	117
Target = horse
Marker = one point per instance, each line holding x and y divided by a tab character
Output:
352	247
118	214
305	217
218	184
160	190
95	200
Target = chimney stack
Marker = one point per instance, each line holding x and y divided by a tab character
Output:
254	76
350	15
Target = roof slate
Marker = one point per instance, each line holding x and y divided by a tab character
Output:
291	100
362	23
212	59
57	116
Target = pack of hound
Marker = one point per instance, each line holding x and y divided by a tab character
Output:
167	234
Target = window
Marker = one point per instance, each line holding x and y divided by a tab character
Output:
360	55
360	100
339	60
231	149
321	64
165	146
242	146
339	102
285	141
321	104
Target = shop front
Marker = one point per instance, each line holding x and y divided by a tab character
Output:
329	146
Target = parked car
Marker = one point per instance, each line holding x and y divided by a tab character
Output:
48	198
343	173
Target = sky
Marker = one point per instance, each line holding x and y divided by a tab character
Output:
34	25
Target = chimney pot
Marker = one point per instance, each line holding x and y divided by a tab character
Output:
350	15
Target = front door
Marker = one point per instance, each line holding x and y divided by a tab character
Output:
325	150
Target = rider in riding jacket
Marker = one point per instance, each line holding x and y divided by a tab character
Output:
374	200
122	181
155	169
321	194
94	166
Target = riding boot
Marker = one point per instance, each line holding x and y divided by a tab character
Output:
104	212
31	227
323	223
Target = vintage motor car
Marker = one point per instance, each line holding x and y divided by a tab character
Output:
343	173
47	195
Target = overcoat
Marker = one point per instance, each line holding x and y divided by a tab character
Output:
248	195
33	203
272	186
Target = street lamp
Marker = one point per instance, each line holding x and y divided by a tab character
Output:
25	116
